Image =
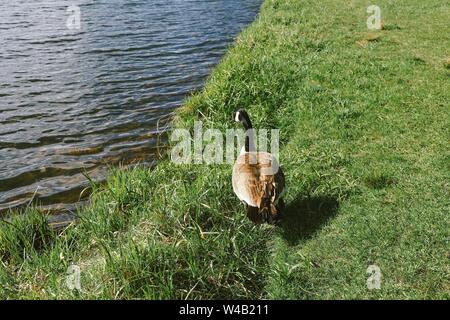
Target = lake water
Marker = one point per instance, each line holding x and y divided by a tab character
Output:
75	100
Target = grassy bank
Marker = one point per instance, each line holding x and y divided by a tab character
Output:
364	118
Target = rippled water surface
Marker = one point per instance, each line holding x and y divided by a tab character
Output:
77	100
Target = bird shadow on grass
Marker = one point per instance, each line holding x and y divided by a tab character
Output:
305	216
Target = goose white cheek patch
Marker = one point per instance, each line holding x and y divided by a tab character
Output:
236	117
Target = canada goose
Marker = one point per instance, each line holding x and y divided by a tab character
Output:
258	180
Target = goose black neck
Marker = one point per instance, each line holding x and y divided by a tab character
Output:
249	133
247	142
246	123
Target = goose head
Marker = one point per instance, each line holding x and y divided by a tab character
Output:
242	116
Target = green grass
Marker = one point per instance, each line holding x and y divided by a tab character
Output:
364	118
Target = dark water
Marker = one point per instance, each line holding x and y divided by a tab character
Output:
74	101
